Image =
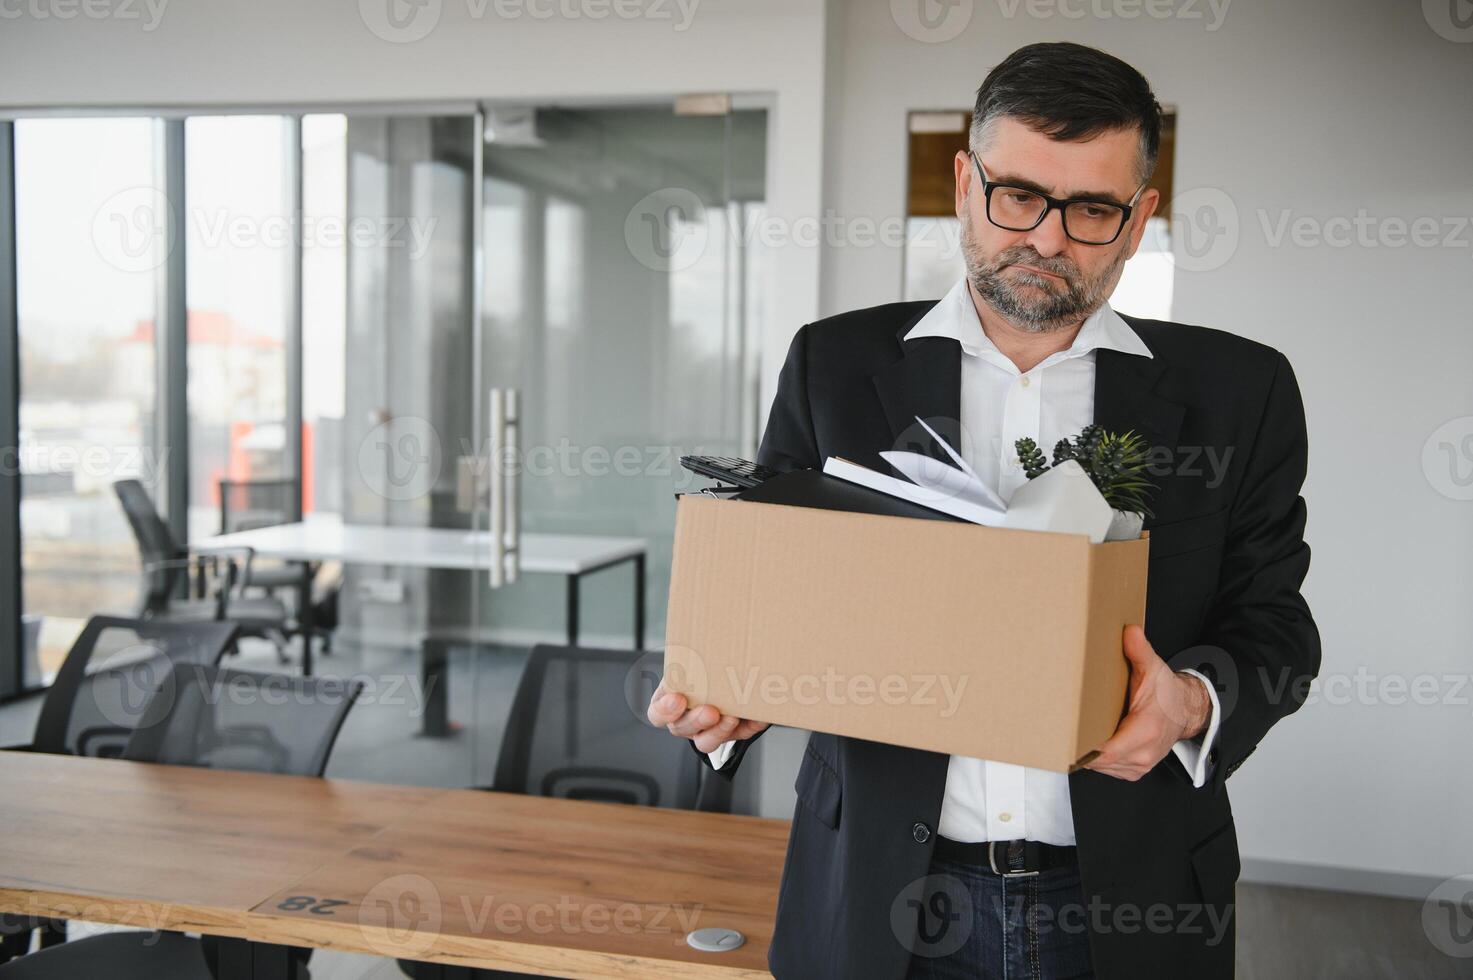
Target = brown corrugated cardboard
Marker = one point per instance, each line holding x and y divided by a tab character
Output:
953	637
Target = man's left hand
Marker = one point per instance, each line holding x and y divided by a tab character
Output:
1165	707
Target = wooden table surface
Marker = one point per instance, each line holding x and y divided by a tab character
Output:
164	847
551	887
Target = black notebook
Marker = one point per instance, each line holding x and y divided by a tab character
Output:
813	488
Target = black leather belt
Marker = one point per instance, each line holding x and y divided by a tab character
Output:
1008	858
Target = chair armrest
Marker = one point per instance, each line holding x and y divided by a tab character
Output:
213	554
224	551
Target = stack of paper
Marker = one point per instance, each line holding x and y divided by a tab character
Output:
1063	499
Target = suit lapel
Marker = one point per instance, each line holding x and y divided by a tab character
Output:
926	381
1125	400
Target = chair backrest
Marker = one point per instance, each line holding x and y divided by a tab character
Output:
576	730
155	543
209	716
248	504
104	685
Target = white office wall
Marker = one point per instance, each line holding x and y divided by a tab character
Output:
1319	110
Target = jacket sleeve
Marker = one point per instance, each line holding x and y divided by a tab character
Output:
788	443
1260	647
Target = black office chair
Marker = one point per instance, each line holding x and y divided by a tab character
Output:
108	677
167	570
577	731
204	715
249	504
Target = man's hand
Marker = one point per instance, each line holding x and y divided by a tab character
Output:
1165	707
702	724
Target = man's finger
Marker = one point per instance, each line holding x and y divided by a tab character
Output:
711	739
695	721
1138	649
749	728
665	707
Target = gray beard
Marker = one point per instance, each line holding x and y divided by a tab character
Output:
1025	308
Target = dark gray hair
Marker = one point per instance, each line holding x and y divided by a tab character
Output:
1069	92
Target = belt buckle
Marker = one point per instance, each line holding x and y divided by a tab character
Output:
992	863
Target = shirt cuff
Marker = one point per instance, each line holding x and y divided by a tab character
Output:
1192	753
722	754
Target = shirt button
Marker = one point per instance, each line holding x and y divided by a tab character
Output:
1024	381
1005	816
921	833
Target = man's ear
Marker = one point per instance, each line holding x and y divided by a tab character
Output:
1143	211
962	164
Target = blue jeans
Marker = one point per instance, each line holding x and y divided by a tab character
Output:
978	925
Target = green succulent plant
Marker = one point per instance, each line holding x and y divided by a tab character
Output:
1030	457
1115	462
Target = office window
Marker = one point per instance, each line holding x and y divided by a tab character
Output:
239	231
89	231
324	309
933	255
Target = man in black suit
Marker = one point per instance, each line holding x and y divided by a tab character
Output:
903	863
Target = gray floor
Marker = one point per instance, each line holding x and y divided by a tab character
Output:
1283	933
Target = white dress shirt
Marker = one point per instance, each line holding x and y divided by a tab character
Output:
999	404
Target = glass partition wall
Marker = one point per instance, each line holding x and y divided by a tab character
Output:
355	285
622	286
88	259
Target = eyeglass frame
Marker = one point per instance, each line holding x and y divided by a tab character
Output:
1053	204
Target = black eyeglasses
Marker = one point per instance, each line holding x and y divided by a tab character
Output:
1086	220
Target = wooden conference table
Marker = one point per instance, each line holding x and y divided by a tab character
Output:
326	538
460	877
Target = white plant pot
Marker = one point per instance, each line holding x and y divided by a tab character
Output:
1124	526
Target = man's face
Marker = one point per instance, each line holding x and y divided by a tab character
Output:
1043	280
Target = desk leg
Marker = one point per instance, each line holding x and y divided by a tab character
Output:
305	617
241	959
639	601
435	672
573	583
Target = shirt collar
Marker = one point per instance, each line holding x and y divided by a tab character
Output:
956	318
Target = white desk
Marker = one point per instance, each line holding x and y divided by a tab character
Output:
327	538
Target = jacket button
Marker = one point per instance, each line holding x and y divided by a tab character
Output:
921	833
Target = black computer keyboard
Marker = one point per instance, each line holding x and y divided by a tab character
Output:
741	472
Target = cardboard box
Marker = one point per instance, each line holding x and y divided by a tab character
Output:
953	637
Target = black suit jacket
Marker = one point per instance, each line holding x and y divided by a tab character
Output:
1158	857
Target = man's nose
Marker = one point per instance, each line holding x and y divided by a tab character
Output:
1048	239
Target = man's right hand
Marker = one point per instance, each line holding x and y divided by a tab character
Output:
702	724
